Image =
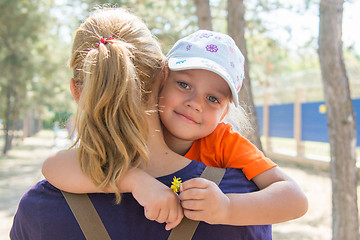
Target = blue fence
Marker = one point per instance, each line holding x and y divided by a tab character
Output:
313	119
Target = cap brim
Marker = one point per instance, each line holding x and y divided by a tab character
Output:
178	64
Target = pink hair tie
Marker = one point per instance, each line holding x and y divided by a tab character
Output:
104	40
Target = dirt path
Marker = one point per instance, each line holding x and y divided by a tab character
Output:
21	169
316	224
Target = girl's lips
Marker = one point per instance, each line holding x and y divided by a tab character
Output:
187	118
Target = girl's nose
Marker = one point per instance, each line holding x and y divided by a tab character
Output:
195	102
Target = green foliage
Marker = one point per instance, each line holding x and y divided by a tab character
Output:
18	36
168	20
33	58
37	35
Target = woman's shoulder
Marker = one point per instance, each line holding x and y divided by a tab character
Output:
39	191
34	209
39	197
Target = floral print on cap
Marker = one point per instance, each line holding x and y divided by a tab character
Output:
212	48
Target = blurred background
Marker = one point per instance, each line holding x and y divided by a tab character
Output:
286	93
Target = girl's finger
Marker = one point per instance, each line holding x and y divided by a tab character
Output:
151	215
195	183
171	225
163	216
192	194
193	205
193	215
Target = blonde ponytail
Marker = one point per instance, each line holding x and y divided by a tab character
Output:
115	75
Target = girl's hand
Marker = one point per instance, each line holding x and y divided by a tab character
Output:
203	200
160	203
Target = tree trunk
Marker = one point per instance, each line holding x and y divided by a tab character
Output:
39	124
204	14
236	29
8	120
341	122
27	129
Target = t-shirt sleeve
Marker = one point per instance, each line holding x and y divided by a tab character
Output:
238	152
25	220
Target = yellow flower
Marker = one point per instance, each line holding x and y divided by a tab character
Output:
176	184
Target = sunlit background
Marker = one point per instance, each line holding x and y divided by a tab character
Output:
281	38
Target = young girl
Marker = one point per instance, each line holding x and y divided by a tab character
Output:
206	74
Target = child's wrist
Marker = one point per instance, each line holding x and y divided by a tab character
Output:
226	213
130	181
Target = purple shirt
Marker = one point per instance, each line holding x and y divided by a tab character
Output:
44	214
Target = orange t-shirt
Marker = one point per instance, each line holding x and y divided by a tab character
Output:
227	148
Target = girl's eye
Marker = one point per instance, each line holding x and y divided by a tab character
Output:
183	85
213	99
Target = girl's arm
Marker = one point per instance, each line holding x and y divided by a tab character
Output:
279	199
160	203
63	171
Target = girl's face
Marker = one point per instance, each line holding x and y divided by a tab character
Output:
192	103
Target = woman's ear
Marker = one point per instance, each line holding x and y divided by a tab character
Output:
162	78
165	74
75	90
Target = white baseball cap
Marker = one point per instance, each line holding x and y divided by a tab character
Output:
213	51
